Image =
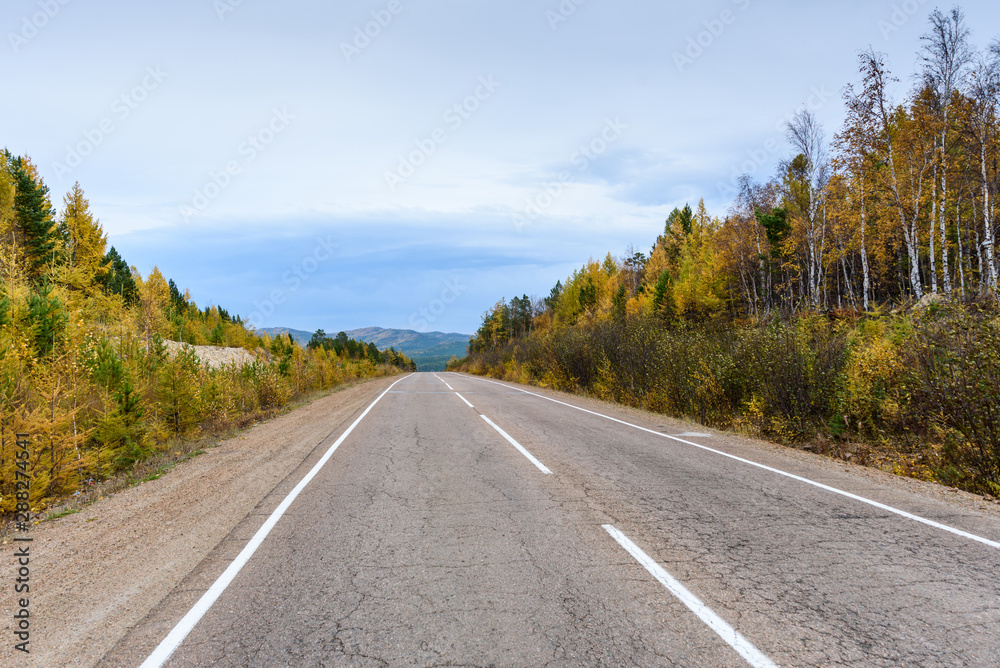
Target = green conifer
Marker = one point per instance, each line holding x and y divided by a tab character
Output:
35	218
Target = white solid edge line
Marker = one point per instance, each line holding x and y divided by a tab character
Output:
464	399
173	640
902	513
735	640
531	457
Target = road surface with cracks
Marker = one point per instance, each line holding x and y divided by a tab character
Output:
460	521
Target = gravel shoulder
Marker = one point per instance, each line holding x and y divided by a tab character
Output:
97	573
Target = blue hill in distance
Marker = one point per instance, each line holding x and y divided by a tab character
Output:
430	350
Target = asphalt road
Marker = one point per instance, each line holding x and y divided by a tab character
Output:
428	538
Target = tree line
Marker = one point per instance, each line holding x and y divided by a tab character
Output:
850	300
901	203
344	345
84	368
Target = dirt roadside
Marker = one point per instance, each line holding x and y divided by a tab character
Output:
97	573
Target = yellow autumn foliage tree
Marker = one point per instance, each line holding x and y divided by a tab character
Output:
86	242
85	370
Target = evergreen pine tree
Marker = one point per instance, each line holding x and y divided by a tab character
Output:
48	319
553	299
777	228
177	299
619	303
117	277
663	298
217	336
34	218
318	340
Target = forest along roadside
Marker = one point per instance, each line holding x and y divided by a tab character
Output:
98	572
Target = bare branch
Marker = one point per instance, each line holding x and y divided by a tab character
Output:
946	52
805	134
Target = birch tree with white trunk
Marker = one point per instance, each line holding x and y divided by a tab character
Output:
946	54
805	134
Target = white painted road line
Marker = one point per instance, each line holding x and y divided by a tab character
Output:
751	654
531	457
445	382
188	622
896	511
465	400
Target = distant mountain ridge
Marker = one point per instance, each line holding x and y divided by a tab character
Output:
430	350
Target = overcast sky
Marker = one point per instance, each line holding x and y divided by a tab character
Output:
405	164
